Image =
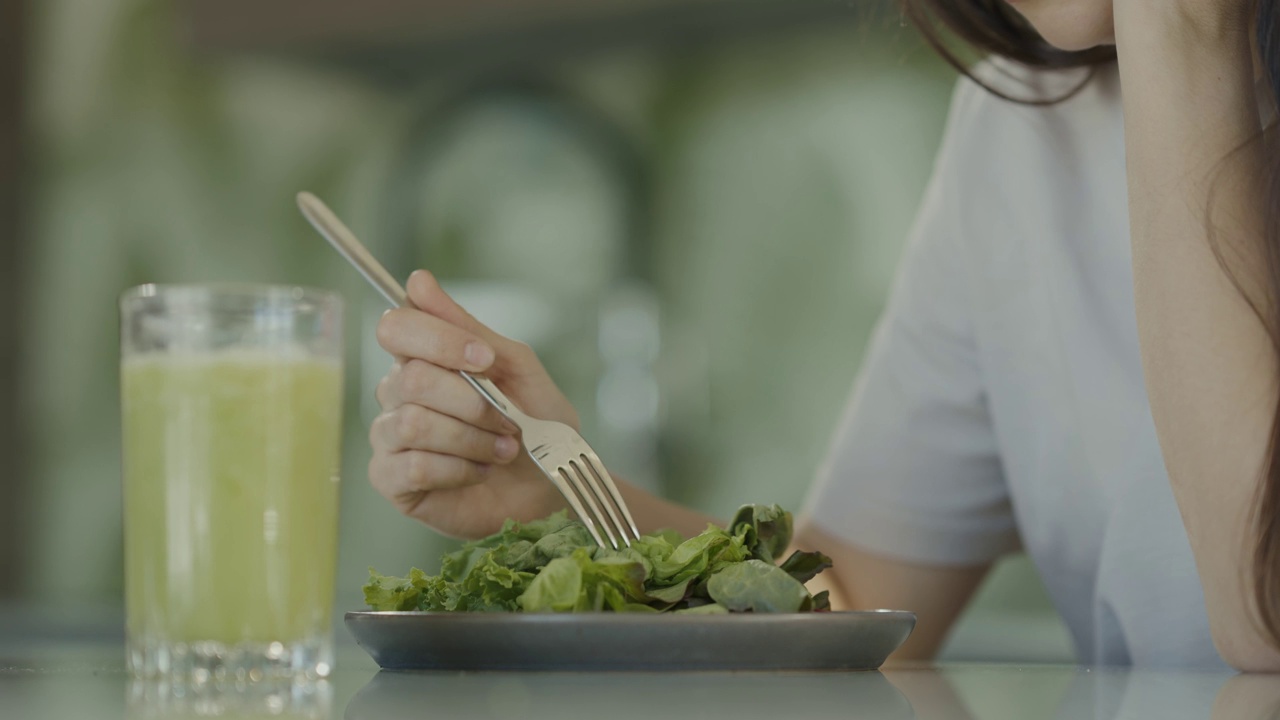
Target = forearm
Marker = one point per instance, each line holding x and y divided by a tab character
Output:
863	580
1190	106
655	513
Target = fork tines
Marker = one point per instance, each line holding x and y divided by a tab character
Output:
595	491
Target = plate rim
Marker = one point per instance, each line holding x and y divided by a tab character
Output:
624	617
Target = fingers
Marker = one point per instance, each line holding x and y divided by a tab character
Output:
433	387
405	332
427	295
406	477
413	427
409	333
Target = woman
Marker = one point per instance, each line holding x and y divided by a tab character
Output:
1079	356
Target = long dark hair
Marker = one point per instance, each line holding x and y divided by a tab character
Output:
992	27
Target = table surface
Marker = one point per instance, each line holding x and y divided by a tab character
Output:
57	680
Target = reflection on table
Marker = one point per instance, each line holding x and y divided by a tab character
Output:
88	681
157	700
963	692
623	696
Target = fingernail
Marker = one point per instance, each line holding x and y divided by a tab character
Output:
506	447
479	355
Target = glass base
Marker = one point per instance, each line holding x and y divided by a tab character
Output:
278	699
219	664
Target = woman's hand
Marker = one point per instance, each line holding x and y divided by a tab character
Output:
442	454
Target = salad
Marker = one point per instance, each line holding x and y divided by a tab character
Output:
553	565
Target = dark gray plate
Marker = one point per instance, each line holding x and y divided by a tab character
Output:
610	641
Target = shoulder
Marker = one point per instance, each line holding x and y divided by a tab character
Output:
1008	171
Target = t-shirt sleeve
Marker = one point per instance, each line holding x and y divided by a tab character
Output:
913	471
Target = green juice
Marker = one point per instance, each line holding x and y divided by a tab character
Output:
231	496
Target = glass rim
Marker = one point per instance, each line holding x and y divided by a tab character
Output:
317	295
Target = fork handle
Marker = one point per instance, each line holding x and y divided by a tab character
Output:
349	246
496	397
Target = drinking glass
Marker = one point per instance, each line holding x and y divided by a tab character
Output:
231	398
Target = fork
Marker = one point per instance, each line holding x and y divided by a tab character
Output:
557	449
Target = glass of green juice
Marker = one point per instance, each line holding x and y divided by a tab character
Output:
231	398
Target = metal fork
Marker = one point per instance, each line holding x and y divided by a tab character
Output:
558	451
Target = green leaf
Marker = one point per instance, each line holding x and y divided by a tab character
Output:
562	542
494	587
455	566
556	589
670	594
604	596
765	530
538	529
580	582
436	593
804	566
757	586
386	593
700	555
626	575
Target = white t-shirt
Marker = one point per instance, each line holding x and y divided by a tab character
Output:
1001	404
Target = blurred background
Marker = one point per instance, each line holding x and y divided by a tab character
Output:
664	197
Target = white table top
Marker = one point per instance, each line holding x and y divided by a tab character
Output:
73	679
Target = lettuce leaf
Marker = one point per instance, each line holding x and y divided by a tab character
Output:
384	592
757	586
765	530
805	566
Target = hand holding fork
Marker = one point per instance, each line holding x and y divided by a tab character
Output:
446	446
